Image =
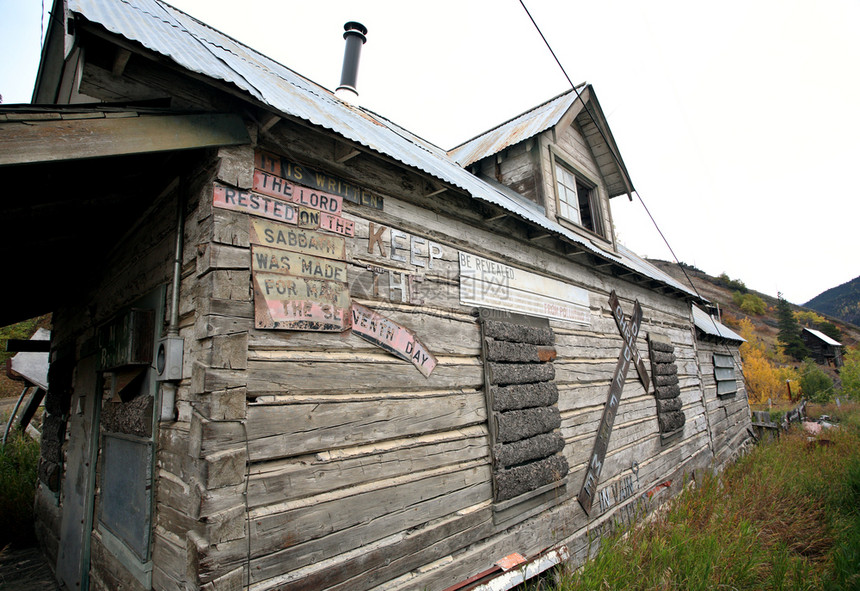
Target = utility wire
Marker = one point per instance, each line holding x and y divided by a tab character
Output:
617	160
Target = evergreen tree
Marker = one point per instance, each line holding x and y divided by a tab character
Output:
831	330
789	331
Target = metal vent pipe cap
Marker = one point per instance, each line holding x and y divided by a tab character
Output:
355	35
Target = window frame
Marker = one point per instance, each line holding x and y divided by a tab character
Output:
724	364
562	210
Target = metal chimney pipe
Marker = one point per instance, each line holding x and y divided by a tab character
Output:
355	38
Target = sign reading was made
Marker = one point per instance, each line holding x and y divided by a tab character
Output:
490	284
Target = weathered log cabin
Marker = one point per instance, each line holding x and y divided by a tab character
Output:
822	348
296	346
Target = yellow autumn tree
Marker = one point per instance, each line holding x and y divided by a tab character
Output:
763	379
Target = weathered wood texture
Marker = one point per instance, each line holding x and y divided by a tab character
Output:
728	416
360	471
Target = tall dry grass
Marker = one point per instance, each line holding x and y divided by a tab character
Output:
785	517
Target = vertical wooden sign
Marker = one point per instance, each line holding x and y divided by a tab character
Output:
629	353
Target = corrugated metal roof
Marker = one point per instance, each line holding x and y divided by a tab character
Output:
826	339
199	48
520	128
711	326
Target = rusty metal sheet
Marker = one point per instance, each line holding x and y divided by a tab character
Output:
254	204
601	444
287	302
285	262
276	235
397	340
331	185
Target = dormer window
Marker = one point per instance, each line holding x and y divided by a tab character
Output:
577	199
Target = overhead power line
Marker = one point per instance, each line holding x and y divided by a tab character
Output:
617	160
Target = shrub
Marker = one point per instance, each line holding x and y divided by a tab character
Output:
817	386
19	461
850	374
752	304
724	280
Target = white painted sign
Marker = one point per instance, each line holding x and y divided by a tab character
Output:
490	284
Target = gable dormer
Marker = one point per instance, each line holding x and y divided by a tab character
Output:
559	158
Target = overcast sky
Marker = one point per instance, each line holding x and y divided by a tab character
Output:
738	121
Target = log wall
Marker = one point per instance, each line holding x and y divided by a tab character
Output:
305	460
362	471
729	415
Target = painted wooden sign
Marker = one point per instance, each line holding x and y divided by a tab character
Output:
336	224
630	331
285	262
490	284
283	168
254	204
297	303
275	186
629	339
392	337
300	240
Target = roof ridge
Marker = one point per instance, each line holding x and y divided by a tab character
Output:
515	117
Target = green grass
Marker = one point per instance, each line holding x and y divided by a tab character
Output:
19	461
785	517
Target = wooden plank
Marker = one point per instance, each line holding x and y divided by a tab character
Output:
93	138
442	334
297	429
308	475
384	372
390	557
367	516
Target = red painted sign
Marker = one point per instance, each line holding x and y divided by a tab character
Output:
336	224
275	165
275	186
254	204
297	303
396	339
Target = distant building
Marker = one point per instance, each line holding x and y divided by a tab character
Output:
822	347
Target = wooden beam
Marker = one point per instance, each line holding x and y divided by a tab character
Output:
120	60
343	152
497	217
42	141
540	236
437	191
269	122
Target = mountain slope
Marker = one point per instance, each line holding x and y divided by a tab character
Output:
842	302
766	325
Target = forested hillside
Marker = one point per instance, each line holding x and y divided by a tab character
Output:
775	360
841	302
